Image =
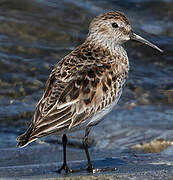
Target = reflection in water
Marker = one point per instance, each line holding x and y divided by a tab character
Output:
34	35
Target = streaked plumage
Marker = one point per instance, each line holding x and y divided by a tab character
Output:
87	83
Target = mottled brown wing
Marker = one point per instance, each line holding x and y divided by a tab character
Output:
67	105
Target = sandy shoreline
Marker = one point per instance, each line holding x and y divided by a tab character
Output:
41	162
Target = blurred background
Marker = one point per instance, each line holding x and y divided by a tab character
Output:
34	35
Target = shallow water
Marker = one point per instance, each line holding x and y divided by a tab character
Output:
34	35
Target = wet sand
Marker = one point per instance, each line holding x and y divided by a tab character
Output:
42	161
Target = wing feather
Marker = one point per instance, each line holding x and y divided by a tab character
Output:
66	105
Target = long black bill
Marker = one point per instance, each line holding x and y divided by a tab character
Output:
136	37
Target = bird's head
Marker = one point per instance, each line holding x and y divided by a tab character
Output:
113	28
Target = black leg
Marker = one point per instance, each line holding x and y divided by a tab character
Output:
85	143
90	166
64	166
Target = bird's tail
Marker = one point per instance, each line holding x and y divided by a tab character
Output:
24	139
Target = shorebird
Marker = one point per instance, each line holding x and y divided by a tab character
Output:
86	84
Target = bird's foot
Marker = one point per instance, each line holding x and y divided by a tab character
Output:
90	169
65	168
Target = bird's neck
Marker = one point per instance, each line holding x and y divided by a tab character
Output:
113	48
120	51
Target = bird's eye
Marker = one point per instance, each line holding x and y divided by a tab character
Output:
114	25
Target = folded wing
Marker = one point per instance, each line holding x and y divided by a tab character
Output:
68	104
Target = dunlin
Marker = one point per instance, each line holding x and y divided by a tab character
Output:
86	84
